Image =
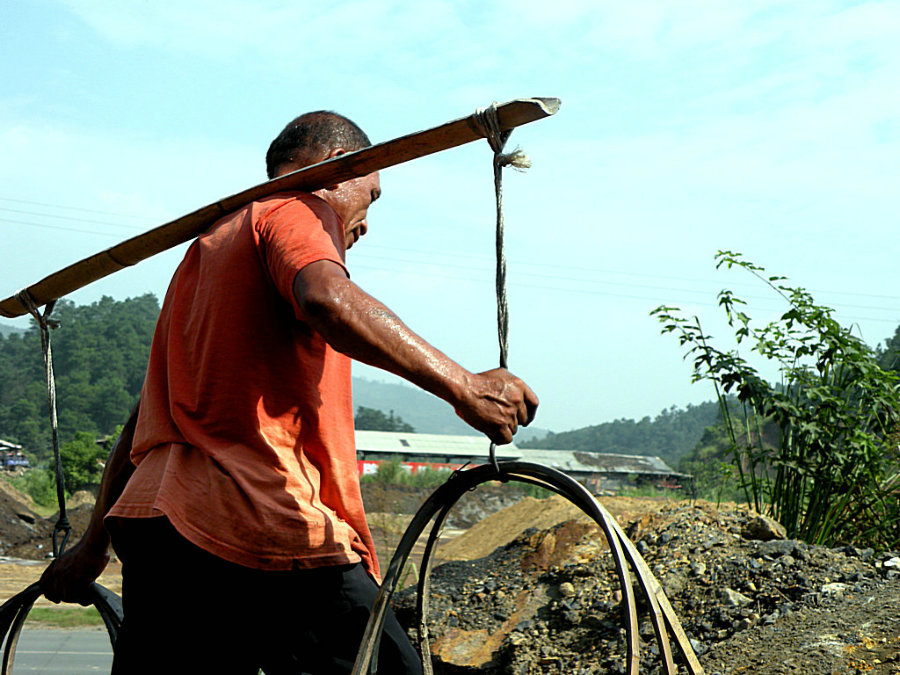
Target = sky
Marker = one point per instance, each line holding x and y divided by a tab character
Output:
771	128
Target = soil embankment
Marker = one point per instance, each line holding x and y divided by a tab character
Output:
528	586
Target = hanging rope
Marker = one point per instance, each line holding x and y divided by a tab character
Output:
438	505
62	526
486	119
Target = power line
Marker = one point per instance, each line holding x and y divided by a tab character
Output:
420	255
59	227
769	303
76	208
71	218
482	264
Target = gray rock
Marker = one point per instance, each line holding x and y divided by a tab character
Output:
733	598
698	569
763	528
834	590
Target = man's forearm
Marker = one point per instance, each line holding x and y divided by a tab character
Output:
115	475
494	402
356	324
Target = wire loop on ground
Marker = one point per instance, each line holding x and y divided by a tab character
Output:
436	508
15	610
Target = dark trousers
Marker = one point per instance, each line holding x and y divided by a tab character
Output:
187	611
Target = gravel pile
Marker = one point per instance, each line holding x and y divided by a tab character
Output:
549	601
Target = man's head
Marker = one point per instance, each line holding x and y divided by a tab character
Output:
311	138
315	137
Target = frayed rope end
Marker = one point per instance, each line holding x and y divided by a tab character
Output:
517	159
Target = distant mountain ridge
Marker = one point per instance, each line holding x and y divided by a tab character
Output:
102	353
672	434
6	329
425	412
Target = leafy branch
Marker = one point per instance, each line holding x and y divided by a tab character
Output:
830	473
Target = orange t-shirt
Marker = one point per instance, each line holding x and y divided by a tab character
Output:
245	434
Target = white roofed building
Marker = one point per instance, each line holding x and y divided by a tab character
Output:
599	472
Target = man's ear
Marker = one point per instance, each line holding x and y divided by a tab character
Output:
334	152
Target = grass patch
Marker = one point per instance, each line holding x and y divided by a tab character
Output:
65	617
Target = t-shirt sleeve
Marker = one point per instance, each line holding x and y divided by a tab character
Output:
293	235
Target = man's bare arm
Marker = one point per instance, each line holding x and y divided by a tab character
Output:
494	402
68	577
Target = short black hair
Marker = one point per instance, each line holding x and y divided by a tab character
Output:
311	136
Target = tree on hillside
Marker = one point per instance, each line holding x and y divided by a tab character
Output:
82	461
672	434
100	355
710	462
889	354
371	419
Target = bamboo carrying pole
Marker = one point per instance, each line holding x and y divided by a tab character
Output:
345	167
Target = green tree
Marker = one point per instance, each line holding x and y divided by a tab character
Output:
671	435
712	466
100	356
372	419
391	473
82	461
889	354
832	471
39	484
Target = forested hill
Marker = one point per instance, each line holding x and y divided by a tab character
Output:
99	353
424	412
670	435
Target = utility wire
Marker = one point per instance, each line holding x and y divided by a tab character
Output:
76	208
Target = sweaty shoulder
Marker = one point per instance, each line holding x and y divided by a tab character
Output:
295	209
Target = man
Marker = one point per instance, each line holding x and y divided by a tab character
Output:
232	496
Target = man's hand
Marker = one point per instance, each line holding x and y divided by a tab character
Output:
69	577
496	403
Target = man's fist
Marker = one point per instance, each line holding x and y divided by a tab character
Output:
495	403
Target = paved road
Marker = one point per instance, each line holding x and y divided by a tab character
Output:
72	652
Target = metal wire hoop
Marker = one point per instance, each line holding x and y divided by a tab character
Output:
15	610
438	505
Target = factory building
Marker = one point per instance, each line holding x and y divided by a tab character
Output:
599	472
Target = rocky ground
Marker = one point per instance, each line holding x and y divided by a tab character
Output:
549	602
26	541
527	586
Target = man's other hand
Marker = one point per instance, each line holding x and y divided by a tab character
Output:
69	577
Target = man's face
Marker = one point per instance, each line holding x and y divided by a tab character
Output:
351	200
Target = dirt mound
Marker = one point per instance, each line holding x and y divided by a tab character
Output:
19	524
390	508
15	495
532	589
549	602
25	534
503	526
